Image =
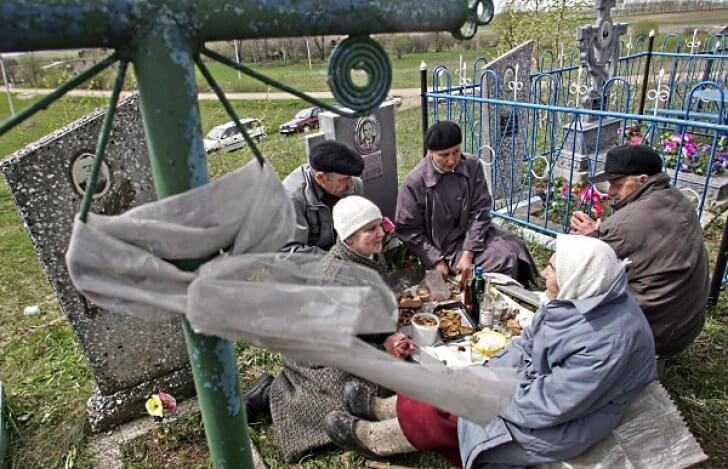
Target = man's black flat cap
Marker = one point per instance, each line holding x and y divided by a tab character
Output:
334	157
627	160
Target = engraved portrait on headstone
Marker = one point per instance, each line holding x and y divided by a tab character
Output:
367	135
81	166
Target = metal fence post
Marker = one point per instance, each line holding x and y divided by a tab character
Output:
7	85
646	75
423	103
165	73
720	265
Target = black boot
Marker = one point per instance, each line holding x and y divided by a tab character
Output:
358	398
257	399
339	427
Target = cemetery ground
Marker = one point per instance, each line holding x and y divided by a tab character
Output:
48	382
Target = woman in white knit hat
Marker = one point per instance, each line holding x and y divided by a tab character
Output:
301	396
587	352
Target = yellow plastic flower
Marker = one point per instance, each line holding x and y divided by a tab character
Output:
154	406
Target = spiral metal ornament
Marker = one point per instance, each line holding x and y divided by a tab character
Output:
481	13
359	53
485	9
468	29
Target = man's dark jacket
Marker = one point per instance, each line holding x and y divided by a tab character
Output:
657	228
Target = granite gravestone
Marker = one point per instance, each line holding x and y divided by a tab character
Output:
502	130
129	358
374	138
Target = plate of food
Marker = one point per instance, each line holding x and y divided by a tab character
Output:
454	321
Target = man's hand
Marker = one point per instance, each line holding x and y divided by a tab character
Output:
443	269
582	224
465	266
399	345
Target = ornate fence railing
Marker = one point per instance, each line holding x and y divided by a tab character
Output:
540	151
676	64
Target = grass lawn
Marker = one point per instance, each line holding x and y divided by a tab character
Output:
405	73
48	382
685	18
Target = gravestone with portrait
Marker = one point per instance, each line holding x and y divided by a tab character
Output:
374	138
504	147
129	358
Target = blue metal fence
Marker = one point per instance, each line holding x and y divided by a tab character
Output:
685	62
539	151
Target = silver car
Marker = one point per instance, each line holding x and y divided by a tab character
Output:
227	137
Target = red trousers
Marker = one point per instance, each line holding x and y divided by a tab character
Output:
428	428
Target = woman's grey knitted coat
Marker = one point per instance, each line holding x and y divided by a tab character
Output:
304	393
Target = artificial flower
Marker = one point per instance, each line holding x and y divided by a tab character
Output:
168	402
154	406
387	225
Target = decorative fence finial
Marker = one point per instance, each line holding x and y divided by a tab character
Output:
693	44
660	93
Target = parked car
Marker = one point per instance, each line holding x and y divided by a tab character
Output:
395	100
305	120
227	137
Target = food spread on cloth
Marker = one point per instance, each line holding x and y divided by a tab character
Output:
459	341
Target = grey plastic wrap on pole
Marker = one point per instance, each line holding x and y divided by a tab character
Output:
277	301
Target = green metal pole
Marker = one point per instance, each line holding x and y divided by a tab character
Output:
164	67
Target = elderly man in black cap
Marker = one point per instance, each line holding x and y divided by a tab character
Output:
332	173
443	213
657	228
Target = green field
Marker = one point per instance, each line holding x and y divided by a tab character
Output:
48	382
405	72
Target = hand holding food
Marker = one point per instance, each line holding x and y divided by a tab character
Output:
399	345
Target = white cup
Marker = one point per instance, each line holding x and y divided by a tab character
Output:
424	336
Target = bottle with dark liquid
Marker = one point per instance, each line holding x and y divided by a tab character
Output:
477	289
468	299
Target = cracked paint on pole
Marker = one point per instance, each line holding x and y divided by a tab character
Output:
66	24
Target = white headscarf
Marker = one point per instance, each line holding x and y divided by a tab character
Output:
585	267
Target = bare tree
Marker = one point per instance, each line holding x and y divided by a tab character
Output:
320	46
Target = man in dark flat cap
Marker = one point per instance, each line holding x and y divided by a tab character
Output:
657	228
443	213
332	173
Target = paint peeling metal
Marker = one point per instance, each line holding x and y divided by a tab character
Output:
230	377
34	25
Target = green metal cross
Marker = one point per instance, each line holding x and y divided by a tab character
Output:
163	40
